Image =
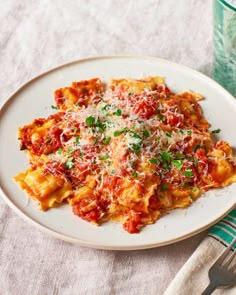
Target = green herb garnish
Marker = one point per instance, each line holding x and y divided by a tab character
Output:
77	140
168	133
154	161
104	157
69	151
135	147
178	164
90	121
118	113
134	174
216	131
55	107
60	150
69	163
106	140
119	132
146	133
165	156
188	172
189	132
163	187
162	118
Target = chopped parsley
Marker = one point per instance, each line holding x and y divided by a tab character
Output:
104	157
69	151
178	164
136	135
55	107
195	162
135	147
90	121
69	163
189	132
216	131
162	118
146	133
100	126
154	161
134	174
188	172
119	132
60	150
168	133
95	141
163	187
106	140
77	140
165	156
118	113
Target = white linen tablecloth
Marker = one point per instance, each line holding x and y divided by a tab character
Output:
36	36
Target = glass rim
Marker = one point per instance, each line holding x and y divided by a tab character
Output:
227	4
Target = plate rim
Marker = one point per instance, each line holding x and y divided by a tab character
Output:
99	245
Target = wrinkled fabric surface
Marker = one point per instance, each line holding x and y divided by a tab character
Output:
36	36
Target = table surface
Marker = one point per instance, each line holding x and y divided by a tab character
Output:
36	36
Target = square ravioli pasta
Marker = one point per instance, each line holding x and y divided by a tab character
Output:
129	151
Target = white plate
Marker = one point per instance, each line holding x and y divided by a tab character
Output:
34	100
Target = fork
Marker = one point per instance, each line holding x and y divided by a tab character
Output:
222	273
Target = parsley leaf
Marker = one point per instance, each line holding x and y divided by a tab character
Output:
90	121
146	133
162	118
188	172
216	131
60	150
165	156
189	132
134	174
77	140
55	107
69	151
69	163
104	157
168	133
163	187
118	113
106	140
195	162
178	164
119	132
154	161
135	147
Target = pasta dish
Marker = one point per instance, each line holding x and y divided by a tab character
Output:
129	152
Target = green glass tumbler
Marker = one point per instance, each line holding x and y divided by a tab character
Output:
224	65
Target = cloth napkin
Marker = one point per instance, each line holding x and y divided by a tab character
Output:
193	276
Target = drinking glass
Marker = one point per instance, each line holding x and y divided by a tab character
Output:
224	65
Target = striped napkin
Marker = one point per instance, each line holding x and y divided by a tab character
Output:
193	276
